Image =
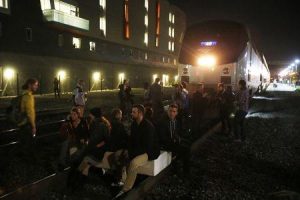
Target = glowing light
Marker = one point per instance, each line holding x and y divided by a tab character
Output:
284	72
154	77
208	43
165	79
96	76
61	75
297	61
207	61
121	77
176	78
9	74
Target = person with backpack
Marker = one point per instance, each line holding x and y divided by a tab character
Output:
27	108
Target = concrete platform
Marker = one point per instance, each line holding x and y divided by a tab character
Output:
154	167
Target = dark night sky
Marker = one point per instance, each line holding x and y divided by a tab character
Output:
275	24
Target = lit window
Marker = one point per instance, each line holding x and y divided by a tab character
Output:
146	38
173	33
102	4
92	46
163	59
170	31
76	43
175	61
126	19
60	40
147	5
45	4
28	32
102	25
173	19
146	20
170	46
157	24
3	4
173	46
170	17
156	42
66	8
146	56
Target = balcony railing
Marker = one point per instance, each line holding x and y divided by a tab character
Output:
63	18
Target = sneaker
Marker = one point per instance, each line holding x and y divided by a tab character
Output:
120	195
118	184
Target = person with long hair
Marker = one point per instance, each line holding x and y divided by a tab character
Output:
242	102
74	132
27	106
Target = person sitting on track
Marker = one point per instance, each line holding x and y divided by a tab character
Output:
141	148
75	134
99	133
115	148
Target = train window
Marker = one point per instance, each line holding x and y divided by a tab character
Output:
249	75
260	78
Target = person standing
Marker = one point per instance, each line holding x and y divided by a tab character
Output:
141	148
146	96
198	105
122	96
242	102
170	131
56	87
156	96
79	94
27	106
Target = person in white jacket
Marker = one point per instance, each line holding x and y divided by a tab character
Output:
79	94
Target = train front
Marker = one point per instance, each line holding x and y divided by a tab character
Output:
210	53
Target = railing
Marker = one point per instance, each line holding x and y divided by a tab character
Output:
63	18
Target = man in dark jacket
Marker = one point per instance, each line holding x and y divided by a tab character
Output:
156	95
141	148
98	139
225	99
198	107
170	131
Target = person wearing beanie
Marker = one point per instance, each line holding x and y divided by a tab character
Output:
99	129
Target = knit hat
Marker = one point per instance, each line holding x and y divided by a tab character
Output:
97	112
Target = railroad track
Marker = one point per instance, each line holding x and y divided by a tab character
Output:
41	116
48	129
56	181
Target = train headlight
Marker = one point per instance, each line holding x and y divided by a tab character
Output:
207	61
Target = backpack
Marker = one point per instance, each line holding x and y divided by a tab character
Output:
14	114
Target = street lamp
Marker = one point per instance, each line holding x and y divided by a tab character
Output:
154	77
96	77
8	74
61	75
121	77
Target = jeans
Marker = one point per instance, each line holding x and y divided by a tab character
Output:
239	124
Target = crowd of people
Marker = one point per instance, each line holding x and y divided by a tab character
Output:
96	143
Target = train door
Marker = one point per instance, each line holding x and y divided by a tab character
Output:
227	74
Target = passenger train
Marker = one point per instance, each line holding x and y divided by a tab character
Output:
222	52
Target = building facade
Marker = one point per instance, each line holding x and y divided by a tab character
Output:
100	41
